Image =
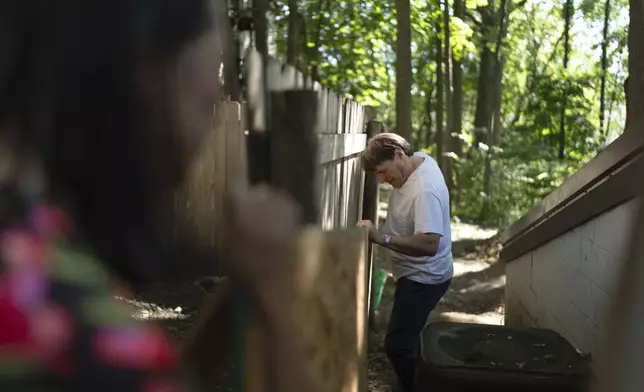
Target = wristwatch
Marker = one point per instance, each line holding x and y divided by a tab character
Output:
387	239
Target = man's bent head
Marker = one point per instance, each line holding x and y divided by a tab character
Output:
388	155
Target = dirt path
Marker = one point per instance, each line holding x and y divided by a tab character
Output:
475	296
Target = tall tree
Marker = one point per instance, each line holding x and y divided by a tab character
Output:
483	111
493	139
604	65
457	78
635	104
449	115
261	26
403	69
440	97
293	38
568	13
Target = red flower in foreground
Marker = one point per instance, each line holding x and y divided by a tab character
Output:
20	248
14	327
138	347
51	220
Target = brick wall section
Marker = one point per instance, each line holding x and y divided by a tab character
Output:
568	284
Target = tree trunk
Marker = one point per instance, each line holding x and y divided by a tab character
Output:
457	79
494	137
259	16
604	65
403	69
426	139
568	13
231	88
449	129
635	96
483	114
439	98
293	37
485	86
493	141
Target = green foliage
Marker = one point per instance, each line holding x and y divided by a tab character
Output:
352	43
517	184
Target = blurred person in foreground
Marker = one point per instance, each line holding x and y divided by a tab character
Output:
102	104
418	237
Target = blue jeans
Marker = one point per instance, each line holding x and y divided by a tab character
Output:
413	302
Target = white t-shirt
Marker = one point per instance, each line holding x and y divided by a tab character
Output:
421	205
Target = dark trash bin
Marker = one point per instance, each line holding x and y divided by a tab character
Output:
458	357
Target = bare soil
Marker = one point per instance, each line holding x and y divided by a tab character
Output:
475	296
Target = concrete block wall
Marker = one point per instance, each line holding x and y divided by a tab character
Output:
568	284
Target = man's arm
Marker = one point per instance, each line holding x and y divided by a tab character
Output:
416	245
428	229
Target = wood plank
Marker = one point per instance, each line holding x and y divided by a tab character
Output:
293	139
273	75
337	219
371	194
347	112
289	78
361	120
198	200
322	109
328	277
332	112
333	147
328	196
331	307
256	92
369	113
371	197
357	191
357	128
339	110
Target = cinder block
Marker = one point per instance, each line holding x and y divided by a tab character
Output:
613	229
587	231
571	318
571	248
587	337
601	305
595	262
519	271
515	314
577	289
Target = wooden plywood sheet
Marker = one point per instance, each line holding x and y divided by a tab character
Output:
330	282
331	307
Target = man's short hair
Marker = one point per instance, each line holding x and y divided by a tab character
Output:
382	148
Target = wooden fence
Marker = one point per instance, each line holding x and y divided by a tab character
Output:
331	272
222	161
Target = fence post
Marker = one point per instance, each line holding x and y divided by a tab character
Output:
294	148
370	196
370	203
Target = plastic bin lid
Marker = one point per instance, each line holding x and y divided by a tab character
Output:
480	346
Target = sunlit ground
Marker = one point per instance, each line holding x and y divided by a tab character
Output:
146	311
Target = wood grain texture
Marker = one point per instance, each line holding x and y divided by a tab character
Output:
330	309
199	201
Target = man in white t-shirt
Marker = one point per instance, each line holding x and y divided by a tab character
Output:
417	235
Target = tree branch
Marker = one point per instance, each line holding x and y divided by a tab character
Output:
471	17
